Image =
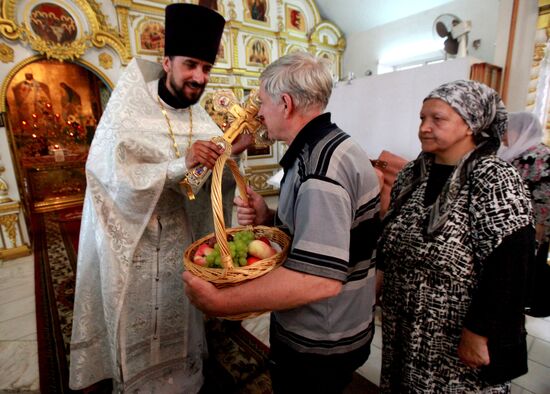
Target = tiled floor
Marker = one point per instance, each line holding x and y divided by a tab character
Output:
18	345
537	381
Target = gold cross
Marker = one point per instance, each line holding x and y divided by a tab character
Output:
233	118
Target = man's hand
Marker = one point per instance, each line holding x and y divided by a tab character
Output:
201	293
255	212
473	350
203	152
242	142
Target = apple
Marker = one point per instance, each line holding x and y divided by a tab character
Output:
252	260
265	239
260	249
201	253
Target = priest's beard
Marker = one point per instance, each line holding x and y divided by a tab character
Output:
184	100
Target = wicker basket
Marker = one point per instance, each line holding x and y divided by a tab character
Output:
232	274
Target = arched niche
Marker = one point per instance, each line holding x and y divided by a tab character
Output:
52	109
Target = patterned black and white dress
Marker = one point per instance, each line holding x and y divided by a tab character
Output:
430	279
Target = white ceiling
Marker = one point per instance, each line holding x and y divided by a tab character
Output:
353	16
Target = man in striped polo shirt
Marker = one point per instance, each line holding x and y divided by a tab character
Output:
323	296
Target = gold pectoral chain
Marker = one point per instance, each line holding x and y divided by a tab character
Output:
171	132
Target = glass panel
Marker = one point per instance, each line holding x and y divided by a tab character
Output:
53	109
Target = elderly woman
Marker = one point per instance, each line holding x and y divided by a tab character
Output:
523	147
454	252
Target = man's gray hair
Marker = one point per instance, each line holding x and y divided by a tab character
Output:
306	78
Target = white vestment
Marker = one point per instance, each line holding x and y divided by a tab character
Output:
132	321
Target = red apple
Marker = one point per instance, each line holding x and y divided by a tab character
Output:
260	249
201	253
265	239
252	260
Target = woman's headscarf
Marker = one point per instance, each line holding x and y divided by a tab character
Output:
524	131
483	111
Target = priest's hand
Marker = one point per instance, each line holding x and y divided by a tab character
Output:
473	350
203	152
204	295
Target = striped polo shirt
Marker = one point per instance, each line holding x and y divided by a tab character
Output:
329	203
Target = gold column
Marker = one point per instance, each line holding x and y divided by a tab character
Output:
12	243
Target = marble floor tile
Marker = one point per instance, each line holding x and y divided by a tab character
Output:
24	268
539	328
537	380
540	353
516	389
520	390
19	366
17	328
377	338
17	308
371	369
259	327
8	284
16	293
530	340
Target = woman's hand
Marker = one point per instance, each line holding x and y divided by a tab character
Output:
473	350
255	212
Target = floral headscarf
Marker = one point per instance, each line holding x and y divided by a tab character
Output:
483	111
479	106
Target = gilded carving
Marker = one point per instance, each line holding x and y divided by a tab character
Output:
3	187
6	53
59	51
4	192
8	222
122	12
539	51
9	29
105	60
100	33
232	12
219	80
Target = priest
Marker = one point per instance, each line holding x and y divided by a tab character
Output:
132	322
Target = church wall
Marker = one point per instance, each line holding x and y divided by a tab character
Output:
490	23
366	49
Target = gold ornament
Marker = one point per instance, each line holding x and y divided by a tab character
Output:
171	132
105	60
6	53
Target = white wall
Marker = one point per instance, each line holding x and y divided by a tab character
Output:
364	49
382	111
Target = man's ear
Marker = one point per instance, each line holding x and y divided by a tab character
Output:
166	63
288	103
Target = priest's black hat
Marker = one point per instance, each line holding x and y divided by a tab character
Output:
193	31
